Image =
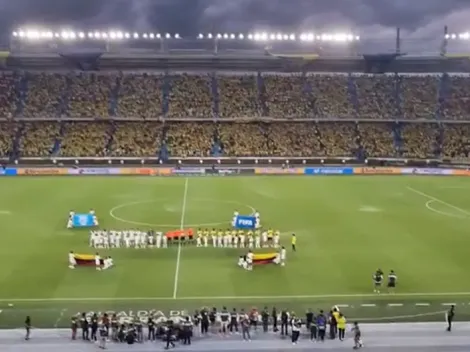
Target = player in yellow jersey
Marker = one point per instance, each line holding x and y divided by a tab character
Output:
199	238
220	238
205	238
241	238
250	239
228	238
257	239
270	237
277	239
293	241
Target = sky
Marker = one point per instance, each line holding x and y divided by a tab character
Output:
375	19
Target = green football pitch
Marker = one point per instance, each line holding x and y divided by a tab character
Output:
346	228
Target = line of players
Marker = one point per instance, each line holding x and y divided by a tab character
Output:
127	238
378	279
238	238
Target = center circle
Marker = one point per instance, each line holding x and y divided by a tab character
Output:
112	212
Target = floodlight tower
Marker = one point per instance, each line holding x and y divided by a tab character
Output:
444	42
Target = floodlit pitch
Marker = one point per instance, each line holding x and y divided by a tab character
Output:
346	227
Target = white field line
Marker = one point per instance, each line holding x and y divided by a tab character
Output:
397	317
395	304
448	304
178	256
237	298
368	305
460	210
422	304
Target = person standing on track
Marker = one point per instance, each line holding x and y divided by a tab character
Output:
450	317
27	326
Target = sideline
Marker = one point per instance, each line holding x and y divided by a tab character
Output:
178	256
202	298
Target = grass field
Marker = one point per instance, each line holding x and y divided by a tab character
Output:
346	228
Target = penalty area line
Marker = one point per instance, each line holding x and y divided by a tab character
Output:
239	298
428	196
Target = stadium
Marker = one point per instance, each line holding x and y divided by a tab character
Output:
363	157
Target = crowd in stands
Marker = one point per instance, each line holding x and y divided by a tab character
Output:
234	139
419	102
234	95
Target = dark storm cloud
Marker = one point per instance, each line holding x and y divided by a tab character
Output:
375	18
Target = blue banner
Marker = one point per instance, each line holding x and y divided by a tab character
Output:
245	222
329	171
82	220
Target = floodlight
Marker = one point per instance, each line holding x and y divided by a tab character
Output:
447	36
15	34
303	37
232	36
21	34
136	35
112	35
279	36
264	36
219	36
90	35
104	35
145	35
81	35
177	36
200	36
119	35
285	37
168	36
209	36
350	37
272	36
453	36
152	36
310	37
159	35
257	36
240	36
292	37
250	36
127	35
57	35
225	36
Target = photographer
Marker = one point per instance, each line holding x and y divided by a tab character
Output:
169	338
131	335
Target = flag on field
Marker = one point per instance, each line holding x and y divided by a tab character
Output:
265	258
86	259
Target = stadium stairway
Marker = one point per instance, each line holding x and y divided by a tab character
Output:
111	131
262	94
58	140
308	91
399	95
21	89
215	94
397	139
15	152
166	88
163	152
114	97
443	93
352	92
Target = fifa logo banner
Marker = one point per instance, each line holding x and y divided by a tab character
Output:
244	222
83	220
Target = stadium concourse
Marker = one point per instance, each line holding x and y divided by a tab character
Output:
87	114
429	337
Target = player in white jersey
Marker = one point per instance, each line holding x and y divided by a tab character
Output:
72	261
220	239
97	261
137	239
164	241
249	260
118	239
151	239
265	239
91	240
145	239
257	240
276	239
112	238
214	238
199	239
228	234
283	256
105	239
127	239
158	240
226	238
205	238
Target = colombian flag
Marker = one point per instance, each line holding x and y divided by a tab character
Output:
86	259
265	258
177	234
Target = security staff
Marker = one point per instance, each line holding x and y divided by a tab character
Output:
84	326
450	317
265	319
308	318
341	326
187	331
274	315
233	320
204	322
151	329
284	322
27	326
94	327
224	318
